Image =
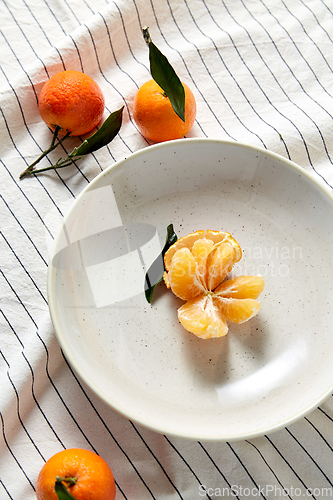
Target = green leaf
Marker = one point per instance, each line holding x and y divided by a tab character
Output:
102	136
154	275
62	492
166	77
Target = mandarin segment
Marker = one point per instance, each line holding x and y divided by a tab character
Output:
220	263
237	310
242	287
200	251
182	276
186	241
201	317
195	269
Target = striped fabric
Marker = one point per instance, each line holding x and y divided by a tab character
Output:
261	72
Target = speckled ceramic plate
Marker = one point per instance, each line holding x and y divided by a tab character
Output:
265	373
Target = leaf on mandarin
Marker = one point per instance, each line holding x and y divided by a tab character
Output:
166	77
62	492
154	275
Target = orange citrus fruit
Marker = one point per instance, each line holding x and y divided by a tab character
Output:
73	101
155	116
94	479
196	266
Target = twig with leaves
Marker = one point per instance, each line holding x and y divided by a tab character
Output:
100	138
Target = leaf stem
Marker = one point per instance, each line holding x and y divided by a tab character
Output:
59	164
55	135
61	490
69	480
146	35
31	168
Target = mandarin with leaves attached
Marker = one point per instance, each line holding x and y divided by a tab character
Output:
155	117
84	473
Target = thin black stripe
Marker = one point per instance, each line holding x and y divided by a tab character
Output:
104	424
304	59
44	33
310	456
275	79
100	69
157	460
55	17
33	380
23	229
11	452
23	267
4	487
47	362
270	468
19	62
185	462
13	330
252	75
329	10
217	468
326	415
126	36
192	79
117	64
245	468
228	70
19	414
37	403
291	468
77	50
317	20
113	52
300	84
319	433
284	92
28	41
73	12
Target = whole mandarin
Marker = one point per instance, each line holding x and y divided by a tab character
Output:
155	116
73	101
94	478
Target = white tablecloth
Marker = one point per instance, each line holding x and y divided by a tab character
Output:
261	72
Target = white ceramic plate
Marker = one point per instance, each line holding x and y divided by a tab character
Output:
265	373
